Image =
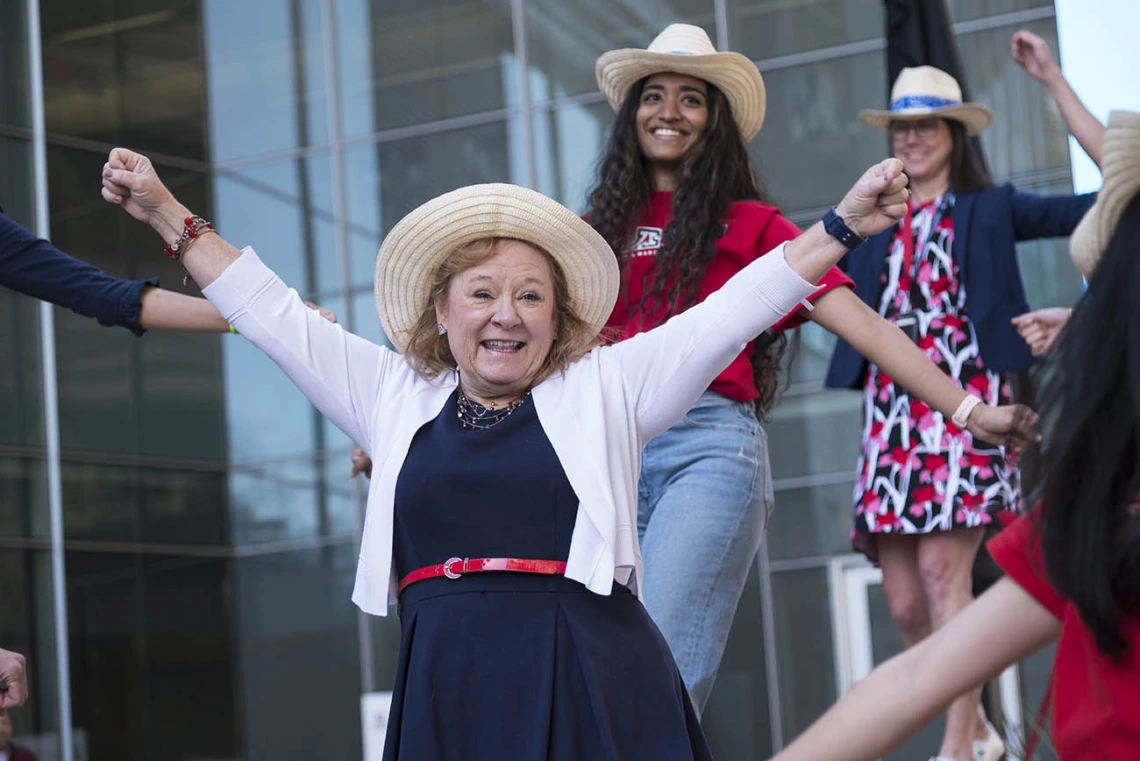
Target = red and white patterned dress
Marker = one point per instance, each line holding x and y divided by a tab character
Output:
918	472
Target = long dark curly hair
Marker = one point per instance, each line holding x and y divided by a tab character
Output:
1090	415
716	172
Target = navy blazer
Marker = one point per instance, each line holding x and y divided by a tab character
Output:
986	226
35	267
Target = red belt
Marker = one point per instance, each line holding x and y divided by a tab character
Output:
456	567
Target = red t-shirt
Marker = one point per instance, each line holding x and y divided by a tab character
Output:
752	230
1095	700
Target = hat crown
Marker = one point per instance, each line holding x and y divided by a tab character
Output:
682	39
925	82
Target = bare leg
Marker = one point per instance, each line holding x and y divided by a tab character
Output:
902	584
945	560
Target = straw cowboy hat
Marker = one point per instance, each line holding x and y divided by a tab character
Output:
414	249
686	49
1120	159
923	92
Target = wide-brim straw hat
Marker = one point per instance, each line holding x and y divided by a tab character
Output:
412	252
687	49
1120	162
923	92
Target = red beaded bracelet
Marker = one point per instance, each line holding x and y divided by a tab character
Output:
195	226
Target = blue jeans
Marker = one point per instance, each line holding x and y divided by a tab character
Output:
703	501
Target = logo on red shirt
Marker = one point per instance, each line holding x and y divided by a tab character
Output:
647	242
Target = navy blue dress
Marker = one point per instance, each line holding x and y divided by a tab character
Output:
510	665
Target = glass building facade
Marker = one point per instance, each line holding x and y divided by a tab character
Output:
208	522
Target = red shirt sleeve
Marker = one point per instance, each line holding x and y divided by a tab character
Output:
779	230
1017	550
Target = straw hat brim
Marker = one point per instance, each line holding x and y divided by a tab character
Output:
974	116
414	249
1120	158
733	74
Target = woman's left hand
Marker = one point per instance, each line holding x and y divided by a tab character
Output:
877	200
1013	426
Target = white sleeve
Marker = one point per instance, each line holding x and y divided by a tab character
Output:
665	369
339	372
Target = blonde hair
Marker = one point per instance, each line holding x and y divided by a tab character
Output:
429	353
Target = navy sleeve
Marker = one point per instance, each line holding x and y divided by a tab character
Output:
1037	216
32	266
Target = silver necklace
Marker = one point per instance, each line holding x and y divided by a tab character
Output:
477	417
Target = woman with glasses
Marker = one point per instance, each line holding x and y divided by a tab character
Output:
947	274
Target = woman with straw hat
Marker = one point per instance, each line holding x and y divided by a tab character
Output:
1074	561
506	448
926	489
678	201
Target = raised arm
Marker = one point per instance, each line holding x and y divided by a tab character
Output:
340	373
899	697
667	368
1032	53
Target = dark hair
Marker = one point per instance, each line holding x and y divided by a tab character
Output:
1091	456
716	172
968	170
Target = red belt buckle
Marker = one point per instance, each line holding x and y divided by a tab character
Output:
455	574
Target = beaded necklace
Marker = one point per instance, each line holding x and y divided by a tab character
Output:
477	417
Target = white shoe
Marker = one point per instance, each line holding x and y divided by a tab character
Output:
990	749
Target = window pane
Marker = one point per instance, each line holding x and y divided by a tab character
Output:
152	656
812	147
815	433
804	647
812	521
14	66
568	140
736	720
293	500
968	10
125	75
565	39
395	177
768	28
429	60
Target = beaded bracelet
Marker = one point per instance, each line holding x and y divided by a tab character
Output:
195	226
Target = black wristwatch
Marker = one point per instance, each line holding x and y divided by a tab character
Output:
838	229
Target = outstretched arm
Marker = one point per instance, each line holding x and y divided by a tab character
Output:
843	313
899	697
1032	53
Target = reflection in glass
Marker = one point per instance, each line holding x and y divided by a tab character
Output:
296	630
568	141
812	146
392	178
812	521
152	656
292	500
264	76
736	720
815	433
968	10
764	29
14	105
802	611
564	39
428	60
125	74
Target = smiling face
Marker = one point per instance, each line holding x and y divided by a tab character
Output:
671	116
923	147
499	316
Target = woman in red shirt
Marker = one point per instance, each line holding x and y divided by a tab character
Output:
1074	562
677	199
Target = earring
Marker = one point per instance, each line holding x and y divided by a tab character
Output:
442	330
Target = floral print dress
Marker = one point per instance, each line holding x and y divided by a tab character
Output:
918	472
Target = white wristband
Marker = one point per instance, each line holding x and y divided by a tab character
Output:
961	416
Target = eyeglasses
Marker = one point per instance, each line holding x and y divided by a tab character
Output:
925	129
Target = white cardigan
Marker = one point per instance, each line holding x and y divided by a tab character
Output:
598	414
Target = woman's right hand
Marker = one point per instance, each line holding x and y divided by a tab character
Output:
361	463
1032	53
129	180
877	200
1040	329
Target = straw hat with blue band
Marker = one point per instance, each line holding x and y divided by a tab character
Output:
687	49
924	92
